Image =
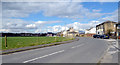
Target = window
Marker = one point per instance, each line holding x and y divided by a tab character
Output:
101	26
98	32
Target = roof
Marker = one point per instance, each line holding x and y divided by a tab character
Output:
89	28
106	22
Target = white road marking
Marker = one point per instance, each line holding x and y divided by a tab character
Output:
112	52
111	46
43	56
110	39
77	46
114	42
73	47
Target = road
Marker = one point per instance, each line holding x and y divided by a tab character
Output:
86	50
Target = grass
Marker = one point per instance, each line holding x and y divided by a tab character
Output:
18	42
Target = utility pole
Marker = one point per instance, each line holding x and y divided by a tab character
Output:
117	35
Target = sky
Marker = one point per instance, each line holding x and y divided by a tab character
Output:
42	17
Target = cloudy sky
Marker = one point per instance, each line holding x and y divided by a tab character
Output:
39	17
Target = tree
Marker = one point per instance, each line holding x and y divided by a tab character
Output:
109	32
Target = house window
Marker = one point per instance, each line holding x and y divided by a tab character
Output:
101	26
98	32
114	25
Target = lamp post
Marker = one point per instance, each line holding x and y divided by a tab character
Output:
118	27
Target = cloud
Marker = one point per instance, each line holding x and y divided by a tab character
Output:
40	22
94	10
13	24
60	0
4	30
0	15
31	26
14	31
95	21
47	22
75	25
65	9
72	10
51	22
83	26
56	28
112	17
18	25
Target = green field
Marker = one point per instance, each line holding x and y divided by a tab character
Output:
18	42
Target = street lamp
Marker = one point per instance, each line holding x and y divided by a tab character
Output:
118	29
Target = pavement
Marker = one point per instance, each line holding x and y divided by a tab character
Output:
111	55
85	50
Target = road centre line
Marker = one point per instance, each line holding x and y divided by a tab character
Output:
43	56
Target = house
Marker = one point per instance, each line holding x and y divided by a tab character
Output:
70	33
64	33
90	32
106	28
50	34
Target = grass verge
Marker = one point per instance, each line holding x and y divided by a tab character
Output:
19	42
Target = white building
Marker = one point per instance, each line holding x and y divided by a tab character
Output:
92	30
70	32
105	27
64	33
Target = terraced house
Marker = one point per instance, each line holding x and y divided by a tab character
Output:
108	27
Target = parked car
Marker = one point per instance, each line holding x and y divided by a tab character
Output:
118	37
104	36
96	36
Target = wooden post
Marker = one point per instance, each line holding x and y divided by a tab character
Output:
55	38
5	41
